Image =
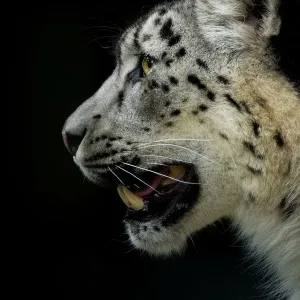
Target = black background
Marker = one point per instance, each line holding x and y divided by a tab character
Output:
71	239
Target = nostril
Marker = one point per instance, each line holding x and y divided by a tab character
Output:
72	141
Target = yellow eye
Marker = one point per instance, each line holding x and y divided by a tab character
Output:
147	63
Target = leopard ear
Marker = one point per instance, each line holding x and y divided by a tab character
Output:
238	24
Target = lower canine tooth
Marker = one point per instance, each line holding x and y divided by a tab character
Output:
129	198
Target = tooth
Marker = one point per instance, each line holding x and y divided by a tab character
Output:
175	172
129	198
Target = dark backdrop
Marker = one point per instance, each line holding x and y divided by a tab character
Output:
72	242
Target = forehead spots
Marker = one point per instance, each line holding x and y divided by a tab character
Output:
174	40
194	80
168	62
173	80
201	64
180	53
166	30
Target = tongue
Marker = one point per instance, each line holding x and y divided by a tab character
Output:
156	179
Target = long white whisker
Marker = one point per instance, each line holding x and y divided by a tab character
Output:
116	175
160	174
179	139
177	146
157	164
161	156
138	178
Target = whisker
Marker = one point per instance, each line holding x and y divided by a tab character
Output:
160	174
161	156
178	146
138	179
115	175
159	164
179	139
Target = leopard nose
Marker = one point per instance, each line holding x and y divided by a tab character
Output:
72	141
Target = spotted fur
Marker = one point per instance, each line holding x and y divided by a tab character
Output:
213	79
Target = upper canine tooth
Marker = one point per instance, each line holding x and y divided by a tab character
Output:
175	172
129	198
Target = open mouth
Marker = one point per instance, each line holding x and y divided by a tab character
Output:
164	193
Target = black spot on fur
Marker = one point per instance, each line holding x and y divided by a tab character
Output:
193	79
145	228
287	208
166	30
253	150
120	98
173	80
156	228
203	107
165	88
169	124
224	136
195	112
97	139
174	40
176	112
246	107
162	11
254	171
233	102
255	127
112	139
98	116
153	84
180	53
146	129
168	62
201	64
157	21
162	116
113	152
164	54
168	103
136	161
223	80
104	137
211	96
279	139
129	143
108	144
146	37
119	138
251	198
